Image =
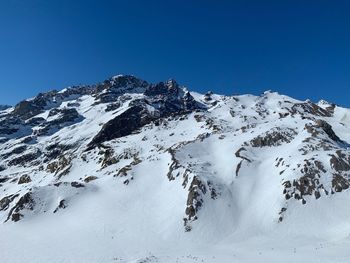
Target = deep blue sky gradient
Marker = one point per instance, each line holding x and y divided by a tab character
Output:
299	48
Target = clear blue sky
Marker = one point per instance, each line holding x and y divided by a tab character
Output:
299	48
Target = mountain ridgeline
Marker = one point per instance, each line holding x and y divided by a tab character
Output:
249	160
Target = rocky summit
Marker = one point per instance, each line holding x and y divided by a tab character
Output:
129	171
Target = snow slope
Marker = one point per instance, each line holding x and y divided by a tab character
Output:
127	171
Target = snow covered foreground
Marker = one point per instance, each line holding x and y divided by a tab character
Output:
126	171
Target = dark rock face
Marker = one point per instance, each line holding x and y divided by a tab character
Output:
170	98
306	185
24	159
62	205
122	125
315	142
14	152
116	86
27	109
328	130
77	185
163	89
310	108
194	201
309	184
61	166
108	158
340	162
273	138
90	178
53	151
6	201
66	117
24	179
4	179
19	149
35	121
339	183
10	125
25	202
112	106
189	102
175	164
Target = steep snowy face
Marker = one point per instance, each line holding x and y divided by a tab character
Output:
207	165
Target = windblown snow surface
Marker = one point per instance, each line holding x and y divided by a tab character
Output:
231	179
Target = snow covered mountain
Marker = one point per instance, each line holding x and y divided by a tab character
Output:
127	171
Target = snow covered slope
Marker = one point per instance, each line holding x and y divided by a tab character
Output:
127	171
